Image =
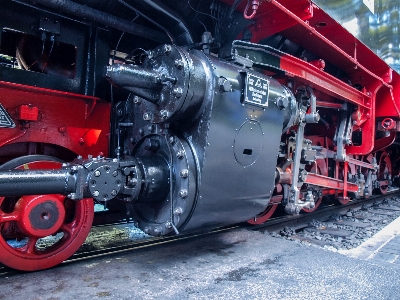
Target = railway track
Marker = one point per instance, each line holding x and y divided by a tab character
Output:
321	227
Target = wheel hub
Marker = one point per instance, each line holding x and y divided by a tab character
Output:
41	215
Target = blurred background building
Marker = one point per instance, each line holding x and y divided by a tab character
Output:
374	22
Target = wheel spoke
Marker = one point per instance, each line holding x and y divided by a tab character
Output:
4	217
30	246
67	229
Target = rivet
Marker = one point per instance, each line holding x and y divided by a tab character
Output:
180	154
184	173
183	193
178	211
177	92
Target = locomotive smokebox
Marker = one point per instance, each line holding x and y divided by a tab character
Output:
218	125
200	138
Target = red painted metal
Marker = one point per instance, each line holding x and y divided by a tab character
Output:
27	113
361	163
344	199
331	183
385	142
319	167
264	216
64	223
384	171
75	122
300	22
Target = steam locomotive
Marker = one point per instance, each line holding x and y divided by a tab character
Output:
187	115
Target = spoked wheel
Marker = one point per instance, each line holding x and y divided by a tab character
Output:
384	172
38	232
318	168
264	216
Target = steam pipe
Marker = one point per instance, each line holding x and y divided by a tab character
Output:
82	11
173	22
142	82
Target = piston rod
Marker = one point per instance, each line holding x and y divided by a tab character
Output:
36	182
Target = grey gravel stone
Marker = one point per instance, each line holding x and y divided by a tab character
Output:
240	264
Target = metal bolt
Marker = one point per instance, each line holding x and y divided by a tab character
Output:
113	193
184	173
178	211
164	114
72	196
96	193
97	173
183	193
168	224
147	116
115	173
171	139
224	85
74	169
177	92
136	100
178	63
180	154
167	49
133	181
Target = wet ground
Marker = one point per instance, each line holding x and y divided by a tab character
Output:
241	264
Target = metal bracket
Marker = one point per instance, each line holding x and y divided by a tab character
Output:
343	137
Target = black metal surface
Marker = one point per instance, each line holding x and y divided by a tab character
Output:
36	182
169	19
88	49
204	155
234	144
85	12
228	190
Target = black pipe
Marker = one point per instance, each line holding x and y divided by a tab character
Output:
82	11
168	19
36	182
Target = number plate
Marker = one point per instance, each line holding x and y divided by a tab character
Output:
256	90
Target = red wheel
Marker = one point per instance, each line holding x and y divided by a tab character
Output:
264	216
317	203
38	232
384	172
